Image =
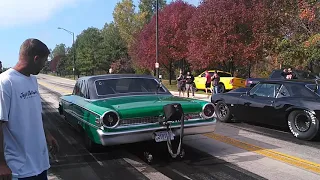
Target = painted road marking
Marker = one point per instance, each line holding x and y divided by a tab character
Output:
291	160
146	170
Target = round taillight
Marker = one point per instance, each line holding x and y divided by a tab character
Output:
110	119
208	110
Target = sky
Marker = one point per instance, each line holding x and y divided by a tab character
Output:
40	19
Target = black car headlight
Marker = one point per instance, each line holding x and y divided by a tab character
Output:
208	110
110	119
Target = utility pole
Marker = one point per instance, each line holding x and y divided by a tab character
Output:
157	39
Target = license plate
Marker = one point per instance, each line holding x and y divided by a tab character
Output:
161	136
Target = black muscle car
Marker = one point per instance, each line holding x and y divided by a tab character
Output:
293	104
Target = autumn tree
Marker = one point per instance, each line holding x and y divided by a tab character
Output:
172	37
301	22
56	55
227	33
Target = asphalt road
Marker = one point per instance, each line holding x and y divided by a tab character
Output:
234	151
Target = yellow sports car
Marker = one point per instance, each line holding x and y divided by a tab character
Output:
227	82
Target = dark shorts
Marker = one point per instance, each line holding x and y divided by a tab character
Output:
208	85
42	176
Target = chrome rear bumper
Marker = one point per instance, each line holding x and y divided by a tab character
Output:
110	138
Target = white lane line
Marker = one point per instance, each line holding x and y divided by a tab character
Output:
176	171
146	170
53	177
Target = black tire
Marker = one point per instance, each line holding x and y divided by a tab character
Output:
89	144
303	124
222	88
223	112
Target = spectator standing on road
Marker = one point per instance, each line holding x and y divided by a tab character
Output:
215	82
190	83
181	83
208	81
288	74
24	146
291	75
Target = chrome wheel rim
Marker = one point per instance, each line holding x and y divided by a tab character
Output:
302	122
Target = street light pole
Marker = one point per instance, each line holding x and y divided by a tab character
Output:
74	52
157	39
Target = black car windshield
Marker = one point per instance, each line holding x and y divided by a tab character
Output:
107	87
312	87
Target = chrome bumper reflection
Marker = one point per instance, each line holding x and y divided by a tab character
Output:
111	138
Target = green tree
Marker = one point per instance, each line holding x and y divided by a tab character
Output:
89	50
114	46
126	20
46	68
60	49
147	9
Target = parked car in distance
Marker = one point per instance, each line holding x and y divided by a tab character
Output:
276	74
118	109
227	81
293	104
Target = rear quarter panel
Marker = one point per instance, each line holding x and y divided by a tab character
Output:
237	83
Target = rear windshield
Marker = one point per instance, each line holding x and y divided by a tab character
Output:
107	87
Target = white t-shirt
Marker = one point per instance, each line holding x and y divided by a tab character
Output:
25	146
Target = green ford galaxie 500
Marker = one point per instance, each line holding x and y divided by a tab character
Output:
117	109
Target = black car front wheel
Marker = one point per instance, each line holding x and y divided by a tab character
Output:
303	124
223	112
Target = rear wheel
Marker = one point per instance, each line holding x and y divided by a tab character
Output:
303	124
223	112
89	144
222	88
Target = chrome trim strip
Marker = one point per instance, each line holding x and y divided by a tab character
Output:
108	139
147	124
80	119
153	129
81	107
